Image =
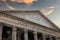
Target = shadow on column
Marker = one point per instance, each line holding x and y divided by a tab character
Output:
47	37
30	35
53	38
40	37
7	33
20	34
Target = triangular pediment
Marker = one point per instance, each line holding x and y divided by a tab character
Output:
33	16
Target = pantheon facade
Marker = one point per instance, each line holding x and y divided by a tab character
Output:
27	25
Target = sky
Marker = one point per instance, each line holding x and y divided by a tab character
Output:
50	8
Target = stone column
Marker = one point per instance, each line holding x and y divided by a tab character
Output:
18	34
1	29
35	36
56	38
50	37
14	33
44	36
25	34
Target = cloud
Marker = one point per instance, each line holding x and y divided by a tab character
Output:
7	5
10	7
52	7
48	11
28	2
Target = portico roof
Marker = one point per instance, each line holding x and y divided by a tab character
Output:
11	13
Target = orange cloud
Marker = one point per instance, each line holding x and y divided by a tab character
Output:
28	2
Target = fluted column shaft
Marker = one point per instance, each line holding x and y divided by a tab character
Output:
35	36
25	34
50	37
14	32
44	37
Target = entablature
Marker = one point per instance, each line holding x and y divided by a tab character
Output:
21	23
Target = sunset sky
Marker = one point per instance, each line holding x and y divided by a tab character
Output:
50	8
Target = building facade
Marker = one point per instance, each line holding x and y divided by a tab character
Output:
27	25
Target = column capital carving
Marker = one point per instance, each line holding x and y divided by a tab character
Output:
44	34
34	32
14	29
25	30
